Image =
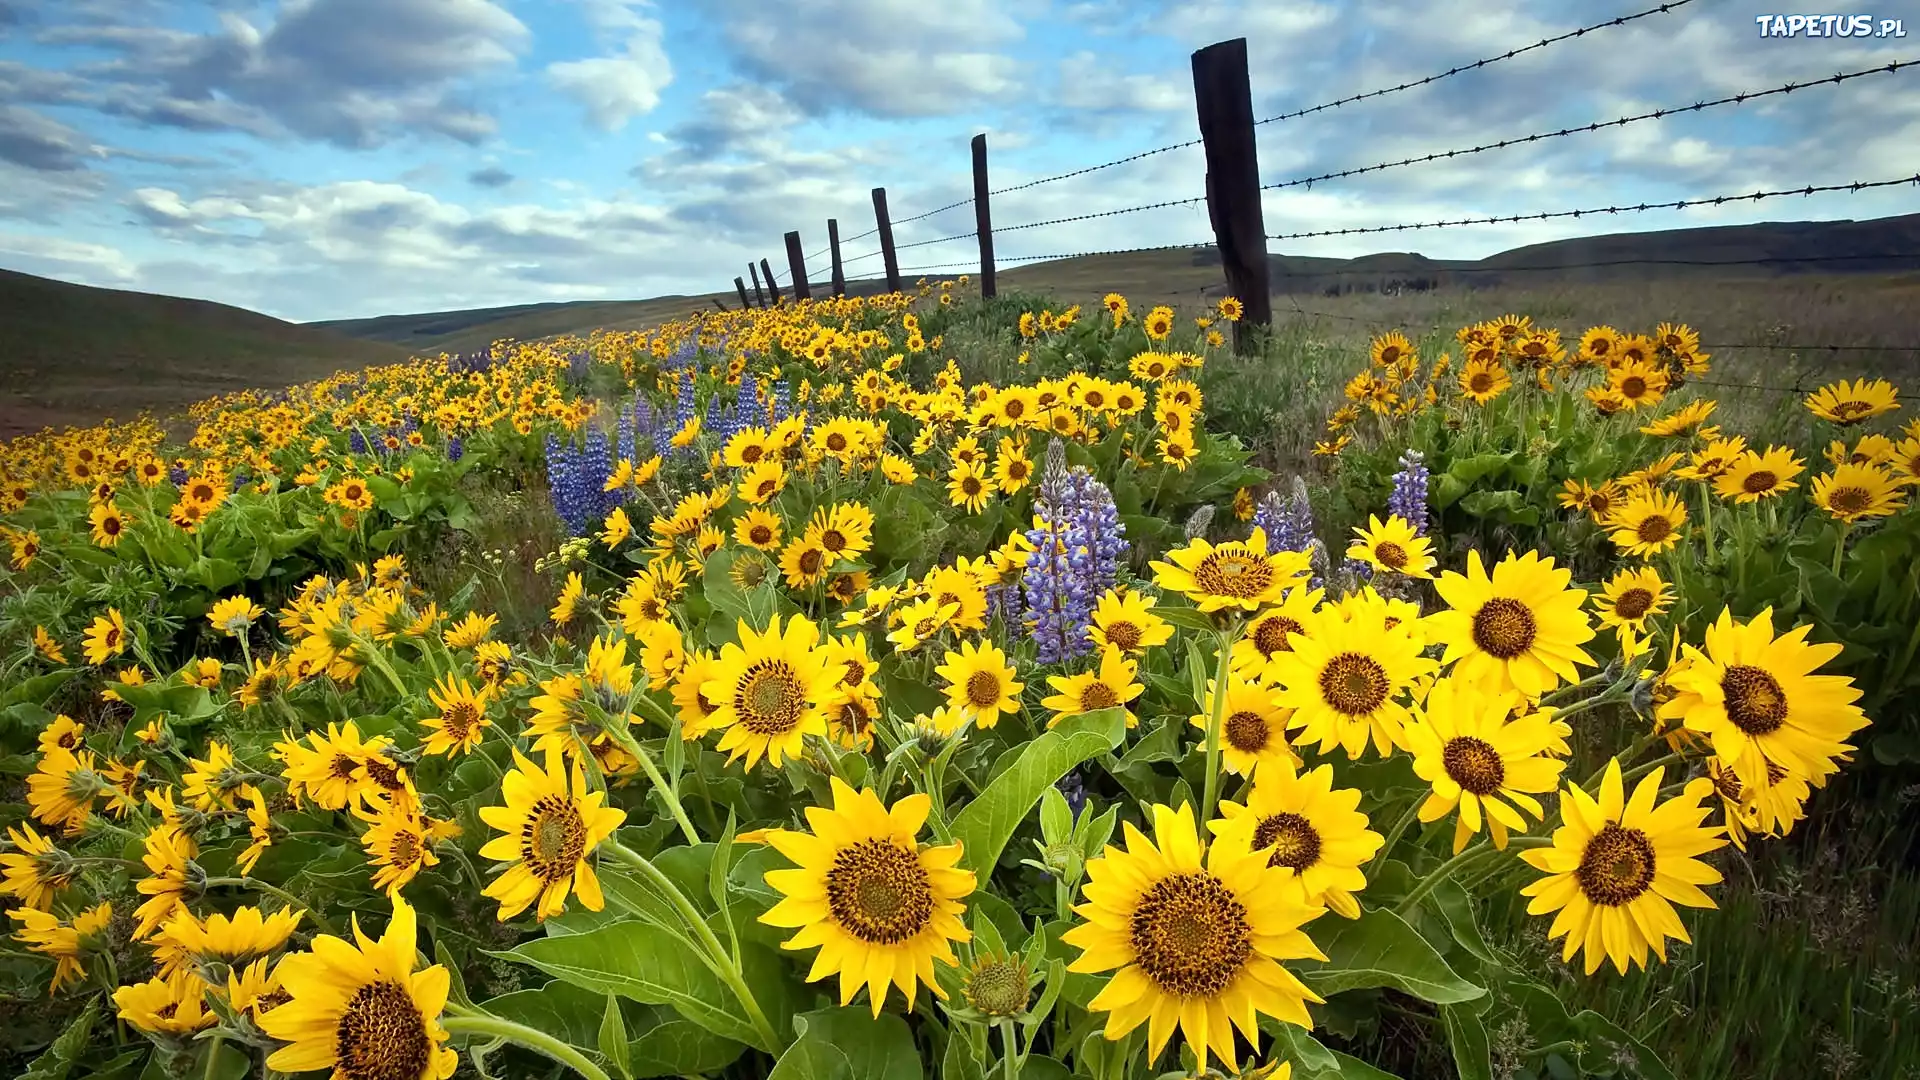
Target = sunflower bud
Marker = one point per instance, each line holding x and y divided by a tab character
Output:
998	986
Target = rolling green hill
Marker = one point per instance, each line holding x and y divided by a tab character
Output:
73	354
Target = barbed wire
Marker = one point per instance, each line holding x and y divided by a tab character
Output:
1734	99
1508	55
930	213
1764	260
942	240
1676	204
1102	214
1128	160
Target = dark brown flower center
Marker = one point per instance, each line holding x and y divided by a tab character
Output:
1759	482
1617	866
810	559
1271	633
1390	554
460	720
553	839
1633	603
1190	935
1756	703
1850	500
760	534
1247	731
879	892
1473	764
1123	634
770	699
983	689
1504	628
1098	695
381	1035
1632	386
1653	528
1354	684
1480	382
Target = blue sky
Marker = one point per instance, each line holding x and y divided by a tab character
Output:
318	159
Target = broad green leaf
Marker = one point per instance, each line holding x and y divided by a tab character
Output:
1189	618
1468	1038
1456	907
1380	949
645	963
667	1044
959	1061
1598	1032
613	1036
849	1044
58	1060
988	822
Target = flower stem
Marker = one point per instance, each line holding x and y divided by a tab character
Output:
1840	546
291	900
1446	870
1400	827
1009	1048
1216	716
460	1022
720	959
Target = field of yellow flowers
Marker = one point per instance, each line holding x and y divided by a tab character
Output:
889	721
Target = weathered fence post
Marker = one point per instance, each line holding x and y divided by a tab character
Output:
759	294
982	224
797	263
773	286
833	241
741	288
886	239
1224	101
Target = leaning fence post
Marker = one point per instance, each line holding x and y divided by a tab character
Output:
886	239
797	263
982	224
759	294
1224	100
833	241
773	286
741	288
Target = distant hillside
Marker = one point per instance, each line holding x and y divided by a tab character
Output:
73	354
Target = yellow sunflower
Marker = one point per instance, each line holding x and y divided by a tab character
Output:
1618	865
1631	597
1197	939
1253	729
567	605
108	522
1111	684
1305	824
169	1005
1345	677
1851	492
1235	575
1521	627
1124	619
771	690
758	529
881	908
1757	698
360	1009
1481	759
1271	632
968	486
980	683
1638	382
1483	380
1847	403
462	721
1393	546
1647	523
549	825
106	637
804	563
1754	476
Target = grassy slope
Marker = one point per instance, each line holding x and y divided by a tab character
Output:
71	354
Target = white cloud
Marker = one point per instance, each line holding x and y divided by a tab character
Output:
628	83
68	260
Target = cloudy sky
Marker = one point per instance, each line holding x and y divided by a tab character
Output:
319	159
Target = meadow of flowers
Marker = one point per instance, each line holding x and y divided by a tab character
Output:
895	720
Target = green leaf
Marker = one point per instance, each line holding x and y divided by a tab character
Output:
1506	506
849	1044
721	863
1189	618
1380	949
613	1037
1597	1031
1470	470
1456	907
643	962
668	1044
58	1060
958	1061
1472	1057
988	822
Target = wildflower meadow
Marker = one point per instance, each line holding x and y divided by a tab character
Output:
871	711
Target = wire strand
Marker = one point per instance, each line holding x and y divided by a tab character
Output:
1677	204
1508	55
1735	99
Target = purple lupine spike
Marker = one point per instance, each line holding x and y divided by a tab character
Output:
456	449
356	442
1409	498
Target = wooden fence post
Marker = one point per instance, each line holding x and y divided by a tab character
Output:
833	241
886	239
773	286
982	224
1224	101
759	294
741	288
797	263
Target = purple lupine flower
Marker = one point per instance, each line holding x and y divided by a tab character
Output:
1075	789
1288	520
456	449
356	442
178	475
1077	545
577	477
1409	498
